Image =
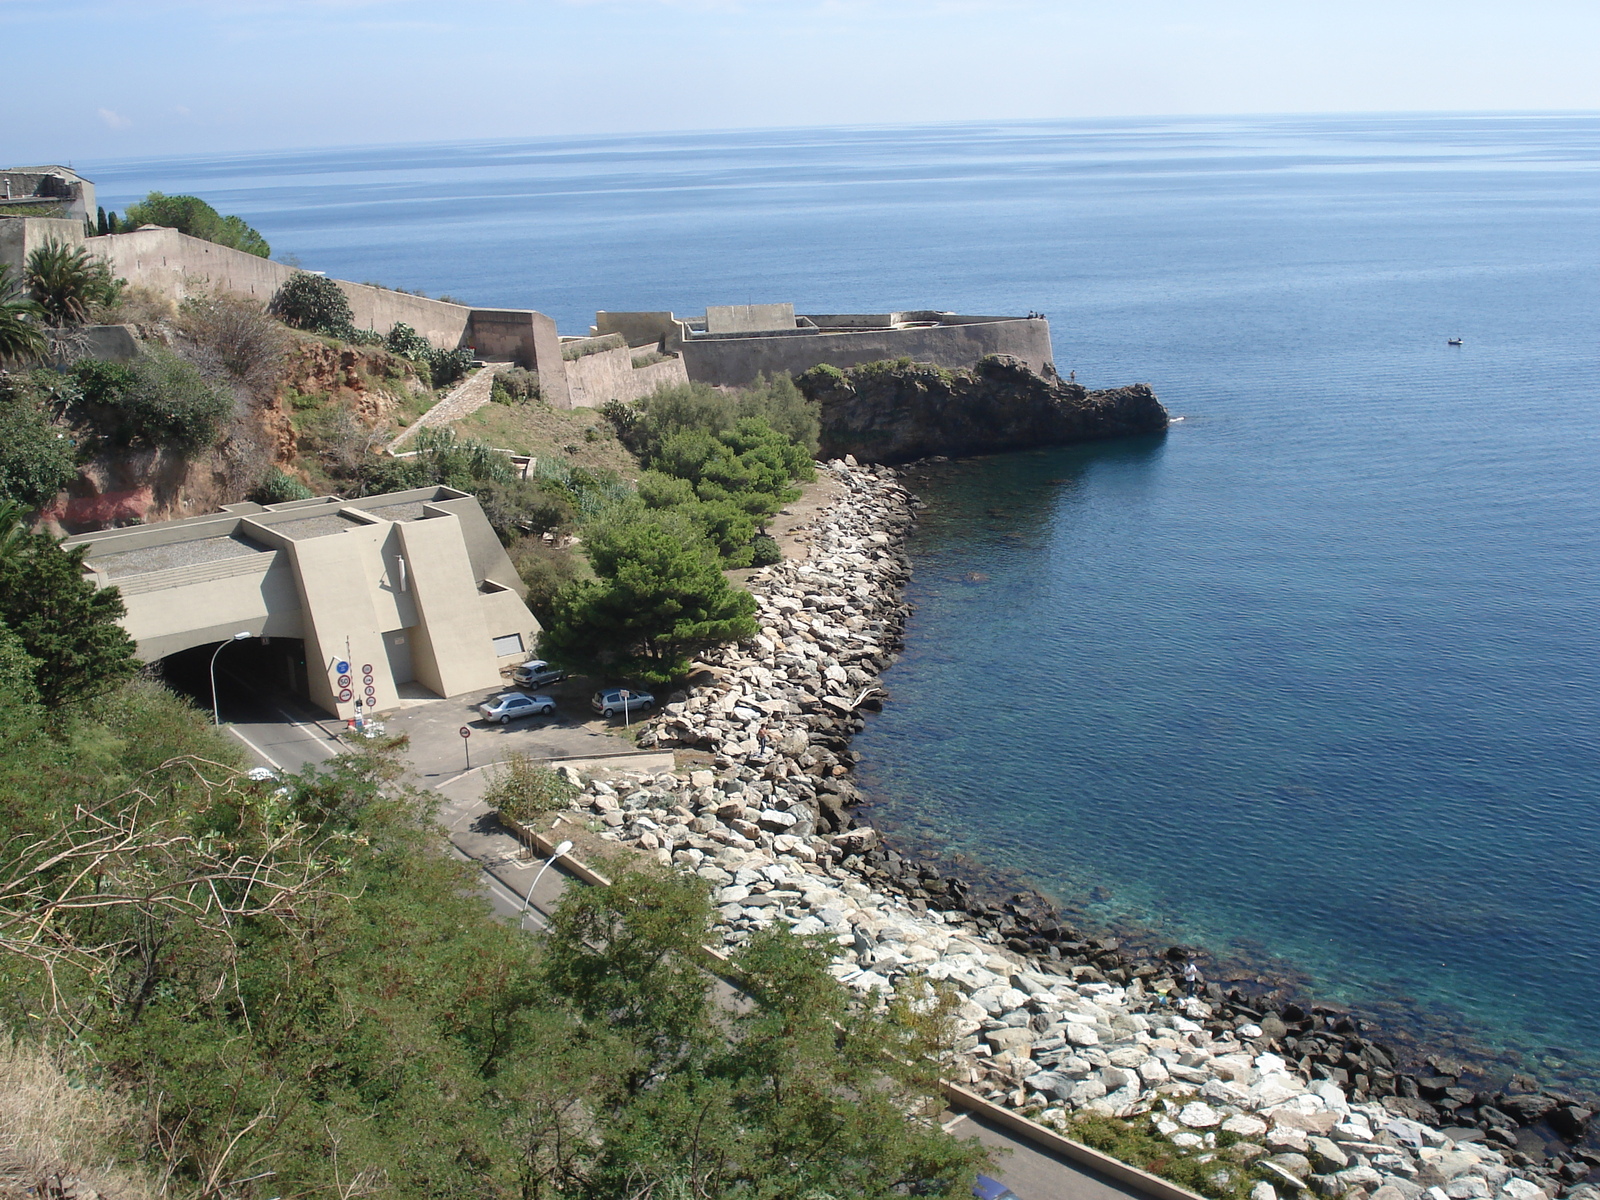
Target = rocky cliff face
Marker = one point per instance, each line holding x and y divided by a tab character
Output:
895	412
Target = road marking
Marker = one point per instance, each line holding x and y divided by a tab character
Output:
321	741
271	762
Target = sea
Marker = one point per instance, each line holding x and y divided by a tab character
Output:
1311	679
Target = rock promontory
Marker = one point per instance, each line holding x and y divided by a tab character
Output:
892	412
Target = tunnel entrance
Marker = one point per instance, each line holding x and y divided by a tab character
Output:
249	672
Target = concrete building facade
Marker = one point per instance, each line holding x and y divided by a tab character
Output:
408	588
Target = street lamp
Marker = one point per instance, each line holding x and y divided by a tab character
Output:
238	637
528	900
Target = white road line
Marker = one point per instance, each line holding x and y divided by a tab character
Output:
323	741
271	762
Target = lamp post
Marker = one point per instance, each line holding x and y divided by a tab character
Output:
561	849
238	637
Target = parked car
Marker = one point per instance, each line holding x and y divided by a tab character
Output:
512	706
612	701
992	1189
537	673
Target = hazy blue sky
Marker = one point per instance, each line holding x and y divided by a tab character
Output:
137	77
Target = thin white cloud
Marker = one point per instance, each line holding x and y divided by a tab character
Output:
114	120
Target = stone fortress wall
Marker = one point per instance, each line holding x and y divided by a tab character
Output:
731	345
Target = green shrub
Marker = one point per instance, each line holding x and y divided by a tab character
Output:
515	386
277	487
524	789
650	359
520	507
193	216
764	551
158	400
444	366
315	304
36	456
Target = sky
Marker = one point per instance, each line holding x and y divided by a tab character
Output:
111	79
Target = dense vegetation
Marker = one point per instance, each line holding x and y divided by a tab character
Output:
193	216
296	993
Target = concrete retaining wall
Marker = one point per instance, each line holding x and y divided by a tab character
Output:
738	360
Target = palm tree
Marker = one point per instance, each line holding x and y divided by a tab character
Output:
20	335
65	281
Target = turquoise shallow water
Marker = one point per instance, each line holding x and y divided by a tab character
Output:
1316	671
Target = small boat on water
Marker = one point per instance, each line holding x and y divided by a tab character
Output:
1452	341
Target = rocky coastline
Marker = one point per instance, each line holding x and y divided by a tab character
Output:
1053	1022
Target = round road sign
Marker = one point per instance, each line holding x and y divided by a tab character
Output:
465	732
367	679
344	681
342	667
366	669
344	696
371	692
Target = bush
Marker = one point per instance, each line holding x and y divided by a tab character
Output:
444	366
544	569
524	789
515	386
314	303
764	551
36	457
193	216
520	507
277	487
158	400
238	336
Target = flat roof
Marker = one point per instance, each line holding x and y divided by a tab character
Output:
143	560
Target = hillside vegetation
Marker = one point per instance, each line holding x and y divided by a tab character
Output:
284	987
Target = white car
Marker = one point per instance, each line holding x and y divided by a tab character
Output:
512	706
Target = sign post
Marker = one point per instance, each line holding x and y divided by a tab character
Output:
625	696
466	734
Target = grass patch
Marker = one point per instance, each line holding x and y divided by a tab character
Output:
550	434
1207	1170
573	351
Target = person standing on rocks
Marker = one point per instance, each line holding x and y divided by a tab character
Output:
1191	977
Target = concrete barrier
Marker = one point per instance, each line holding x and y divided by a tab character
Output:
1048	1140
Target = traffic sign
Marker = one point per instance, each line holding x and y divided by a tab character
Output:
465	732
366	669
371	691
344	681
625	694
342	668
344	696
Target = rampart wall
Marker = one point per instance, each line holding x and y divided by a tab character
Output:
958	342
179	265
611	375
21	236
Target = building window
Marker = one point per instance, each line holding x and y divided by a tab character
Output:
507	645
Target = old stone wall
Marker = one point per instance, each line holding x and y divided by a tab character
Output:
179	265
611	375
21	236
738	360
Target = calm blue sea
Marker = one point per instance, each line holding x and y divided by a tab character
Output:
1313	675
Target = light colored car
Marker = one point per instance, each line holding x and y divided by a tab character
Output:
513	706
537	673
619	702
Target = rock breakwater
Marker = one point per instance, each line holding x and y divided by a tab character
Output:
1050	1021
